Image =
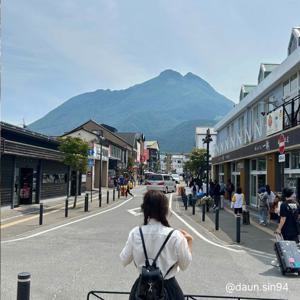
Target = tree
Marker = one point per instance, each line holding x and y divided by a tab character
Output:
197	162
75	156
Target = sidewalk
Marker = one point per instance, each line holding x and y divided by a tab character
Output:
17	221
253	236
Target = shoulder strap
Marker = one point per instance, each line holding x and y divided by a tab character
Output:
162	247
144	247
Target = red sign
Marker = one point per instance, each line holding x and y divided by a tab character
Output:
281	143
89	173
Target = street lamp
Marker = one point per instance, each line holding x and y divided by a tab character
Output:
100	139
206	141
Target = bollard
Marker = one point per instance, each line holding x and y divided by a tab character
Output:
23	292
217	218
107	199
114	194
119	193
86	202
185	203
238	228
203	212
66	208
41	213
100	200
194	204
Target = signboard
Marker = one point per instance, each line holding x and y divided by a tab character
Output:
281	144
90	162
83	178
274	121
281	158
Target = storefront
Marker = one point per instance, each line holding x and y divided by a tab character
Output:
31	167
253	166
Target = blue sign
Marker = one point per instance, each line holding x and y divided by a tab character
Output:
90	152
90	162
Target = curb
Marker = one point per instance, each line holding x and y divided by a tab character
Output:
254	223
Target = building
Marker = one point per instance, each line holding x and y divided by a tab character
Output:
200	134
115	152
247	144
32	167
136	140
152	155
178	161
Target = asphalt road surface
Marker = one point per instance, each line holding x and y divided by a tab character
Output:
82	254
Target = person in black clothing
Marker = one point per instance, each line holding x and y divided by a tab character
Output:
211	188
230	189
289	217
216	194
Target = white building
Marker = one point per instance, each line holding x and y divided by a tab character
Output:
200	135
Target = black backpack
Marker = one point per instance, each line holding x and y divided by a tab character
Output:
151	281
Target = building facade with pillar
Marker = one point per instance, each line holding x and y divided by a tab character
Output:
247	144
32	167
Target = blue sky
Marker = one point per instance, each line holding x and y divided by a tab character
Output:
53	50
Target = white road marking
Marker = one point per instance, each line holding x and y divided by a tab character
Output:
198	233
135	211
66	224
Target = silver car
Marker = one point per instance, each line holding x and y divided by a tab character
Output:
160	182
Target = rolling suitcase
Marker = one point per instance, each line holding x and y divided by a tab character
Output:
288	255
246	217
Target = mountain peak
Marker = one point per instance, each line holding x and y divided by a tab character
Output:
170	74
191	75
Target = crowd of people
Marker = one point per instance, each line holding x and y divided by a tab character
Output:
282	208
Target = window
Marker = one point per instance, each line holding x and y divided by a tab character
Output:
155	177
295	163
261	163
253	165
54	178
294	83
286	89
287	161
233	167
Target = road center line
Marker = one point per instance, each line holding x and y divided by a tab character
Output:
66	224
198	233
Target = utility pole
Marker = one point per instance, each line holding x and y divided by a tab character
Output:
206	141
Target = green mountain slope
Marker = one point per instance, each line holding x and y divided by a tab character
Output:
154	107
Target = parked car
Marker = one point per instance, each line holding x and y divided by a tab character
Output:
160	182
176	177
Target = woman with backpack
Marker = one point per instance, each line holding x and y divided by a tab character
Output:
157	250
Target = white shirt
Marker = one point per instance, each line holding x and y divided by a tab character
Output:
176	250
238	200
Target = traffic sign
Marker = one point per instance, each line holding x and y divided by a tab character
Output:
91	152
90	162
281	144
89	173
281	158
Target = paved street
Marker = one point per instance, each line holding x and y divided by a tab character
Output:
82	254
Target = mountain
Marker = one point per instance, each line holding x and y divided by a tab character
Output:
159	107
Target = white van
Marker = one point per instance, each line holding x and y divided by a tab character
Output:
160	182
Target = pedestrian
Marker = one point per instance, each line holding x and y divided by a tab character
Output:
229	189
217	194
211	188
264	206
238	200
270	194
289	217
128	185
145	241
275	209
